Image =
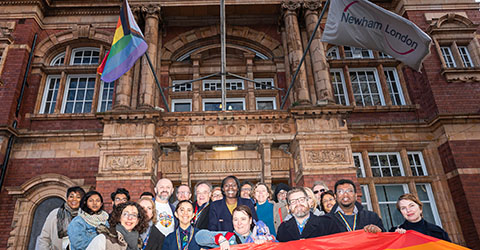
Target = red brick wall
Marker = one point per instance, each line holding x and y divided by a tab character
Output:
134	187
461	155
22	170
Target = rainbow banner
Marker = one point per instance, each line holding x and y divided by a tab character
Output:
127	46
361	240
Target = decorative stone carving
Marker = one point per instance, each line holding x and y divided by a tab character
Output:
326	156
151	11
291	5
121	163
312	5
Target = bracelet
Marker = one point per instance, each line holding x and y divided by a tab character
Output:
222	240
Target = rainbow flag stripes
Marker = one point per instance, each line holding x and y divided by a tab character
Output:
127	46
360	240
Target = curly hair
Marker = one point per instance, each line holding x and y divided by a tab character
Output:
142	221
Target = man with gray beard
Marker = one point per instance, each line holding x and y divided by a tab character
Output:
304	223
166	221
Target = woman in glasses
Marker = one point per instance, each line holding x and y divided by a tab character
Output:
327	201
126	223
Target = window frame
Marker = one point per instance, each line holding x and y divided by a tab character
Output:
75	50
181	101
67	87
273	99
398	85
181	82
377	82
448	59
265	80
100	96
226	101
344	86
58	57
45	94
361	167
465	56
227	81
332	50
399	160
366	193
394	202
422	162
352	49
431	200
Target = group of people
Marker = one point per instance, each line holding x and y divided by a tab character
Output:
233	213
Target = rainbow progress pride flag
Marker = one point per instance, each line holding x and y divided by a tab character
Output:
360	240
127	46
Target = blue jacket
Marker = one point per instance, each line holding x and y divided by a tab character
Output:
80	233
171	242
206	238
220	218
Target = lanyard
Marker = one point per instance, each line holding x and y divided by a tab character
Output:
146	239
179	240
346	223
197	213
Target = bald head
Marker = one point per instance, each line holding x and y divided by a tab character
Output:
163	190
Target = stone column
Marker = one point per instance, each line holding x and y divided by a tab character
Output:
266	152
123	91
196	86
250	85
185	171
295	49
321	74
147	82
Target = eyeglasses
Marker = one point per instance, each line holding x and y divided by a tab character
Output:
345	191
246	189
299	200
130	216
184	192
321	191
120	199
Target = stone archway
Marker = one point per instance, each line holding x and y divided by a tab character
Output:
28	196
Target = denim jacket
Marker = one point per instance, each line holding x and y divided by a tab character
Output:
80	233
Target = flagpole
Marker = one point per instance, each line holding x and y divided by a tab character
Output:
304	54
157	82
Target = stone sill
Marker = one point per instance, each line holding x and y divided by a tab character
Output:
461	74
393	108
46	117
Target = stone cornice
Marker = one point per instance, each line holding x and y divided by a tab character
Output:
151	11
41	3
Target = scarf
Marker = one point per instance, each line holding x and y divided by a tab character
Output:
65	215
94	219
130	237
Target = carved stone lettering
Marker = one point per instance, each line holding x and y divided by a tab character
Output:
326	156
124	163
227	130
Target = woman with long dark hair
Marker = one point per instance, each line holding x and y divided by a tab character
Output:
91	215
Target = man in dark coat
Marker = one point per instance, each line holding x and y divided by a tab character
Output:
203	192
349	214
304	223
220	215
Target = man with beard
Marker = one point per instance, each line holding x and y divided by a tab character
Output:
304	223
54	232
220	215
349	214
121	195
166	221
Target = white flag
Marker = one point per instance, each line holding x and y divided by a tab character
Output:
360	23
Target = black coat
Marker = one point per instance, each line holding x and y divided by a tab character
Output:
424	227
220	218
202	221
155	241
316	226
364	217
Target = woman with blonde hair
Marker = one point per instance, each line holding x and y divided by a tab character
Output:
412	210
269	212
313	202
152	238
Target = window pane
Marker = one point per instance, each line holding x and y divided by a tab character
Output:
234	105
387	199
79	96
265	105
182	107
212	106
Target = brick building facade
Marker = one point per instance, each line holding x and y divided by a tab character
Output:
353	113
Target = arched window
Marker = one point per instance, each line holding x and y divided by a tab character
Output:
58	60
41	213
82	90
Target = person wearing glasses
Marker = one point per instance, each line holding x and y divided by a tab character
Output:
318	188
126	223
121	195
349	214
304	223
183	193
